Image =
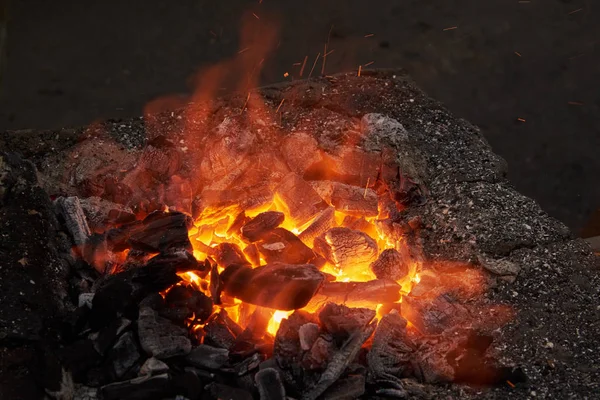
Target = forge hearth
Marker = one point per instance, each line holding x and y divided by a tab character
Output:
339	238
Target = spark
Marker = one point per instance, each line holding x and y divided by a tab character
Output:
575	103
314	64
255	16
369	35
521	119
286	74
512	385
324	59
451	28
329	52
212	33
575	11
369	63
245	104
303	65
577	56
279	106
366	187
245	49
296	64
519	54
359	69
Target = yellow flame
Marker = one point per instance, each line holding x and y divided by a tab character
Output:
275	321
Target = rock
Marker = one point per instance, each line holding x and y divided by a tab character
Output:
159	337
500	266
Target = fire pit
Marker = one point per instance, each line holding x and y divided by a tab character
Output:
337	238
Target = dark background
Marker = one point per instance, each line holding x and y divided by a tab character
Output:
73	62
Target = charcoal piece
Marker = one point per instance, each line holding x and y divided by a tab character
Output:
117	239
161	231
356	294
251	340
351	200
270	385
219	391
180	259
124	355
281	245
101	214
348	388
187	385
431	363
390	265
320	225
226	254
69	208
308	334
360	224
153	366
391	350
287	348
300	150
320	353
142	388
227	154
208	357
349	250
300	199
340	360
159	337
249	364
186	301
107	336
252	254
262	224
85	300
433	316
279	286
216	283
154	300
236	226
221	331
342	321
121	293
160	159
